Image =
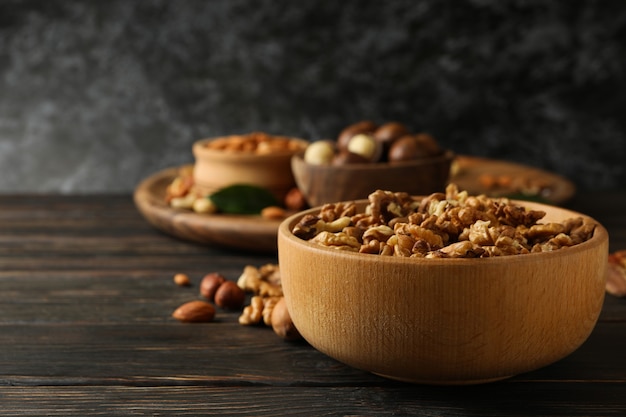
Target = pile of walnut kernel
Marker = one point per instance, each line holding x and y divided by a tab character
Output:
267	304
450	225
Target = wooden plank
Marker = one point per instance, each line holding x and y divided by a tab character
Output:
80	233
494	400
224	353
162	354
119	292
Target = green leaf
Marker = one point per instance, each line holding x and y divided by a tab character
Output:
243	199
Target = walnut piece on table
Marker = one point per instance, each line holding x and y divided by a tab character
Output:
616	274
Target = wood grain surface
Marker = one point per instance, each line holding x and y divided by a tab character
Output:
86	296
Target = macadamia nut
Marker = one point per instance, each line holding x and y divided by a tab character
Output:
319	153
364	145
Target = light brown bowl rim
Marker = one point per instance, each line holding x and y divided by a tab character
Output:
600	235
446	156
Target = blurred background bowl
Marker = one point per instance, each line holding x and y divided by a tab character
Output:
216	168
444	321
331	183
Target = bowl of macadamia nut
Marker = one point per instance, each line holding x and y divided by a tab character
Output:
256	158
444	289
365	157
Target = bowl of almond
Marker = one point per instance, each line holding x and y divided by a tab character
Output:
445	289
257	159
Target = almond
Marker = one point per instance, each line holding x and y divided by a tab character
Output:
273	213
194	312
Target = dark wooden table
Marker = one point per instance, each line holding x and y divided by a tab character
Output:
86	297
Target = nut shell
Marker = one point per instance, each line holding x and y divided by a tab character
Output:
410	147
404	148
210	283
294	200
229	296
281	322
365	126
427	144
347	157
389	132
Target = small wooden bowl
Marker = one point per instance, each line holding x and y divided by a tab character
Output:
215	169
444	321
322	184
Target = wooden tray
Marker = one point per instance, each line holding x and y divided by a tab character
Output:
469	169
254	233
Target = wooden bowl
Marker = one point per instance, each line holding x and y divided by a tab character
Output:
215	169
331	183
444	321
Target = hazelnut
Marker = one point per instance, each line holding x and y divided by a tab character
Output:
403	149
416	146
319	153
365	145
427	144
389	132
365	126
281	322
295	200
210	283
347	157
229	296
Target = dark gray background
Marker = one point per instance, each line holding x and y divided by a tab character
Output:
96	95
